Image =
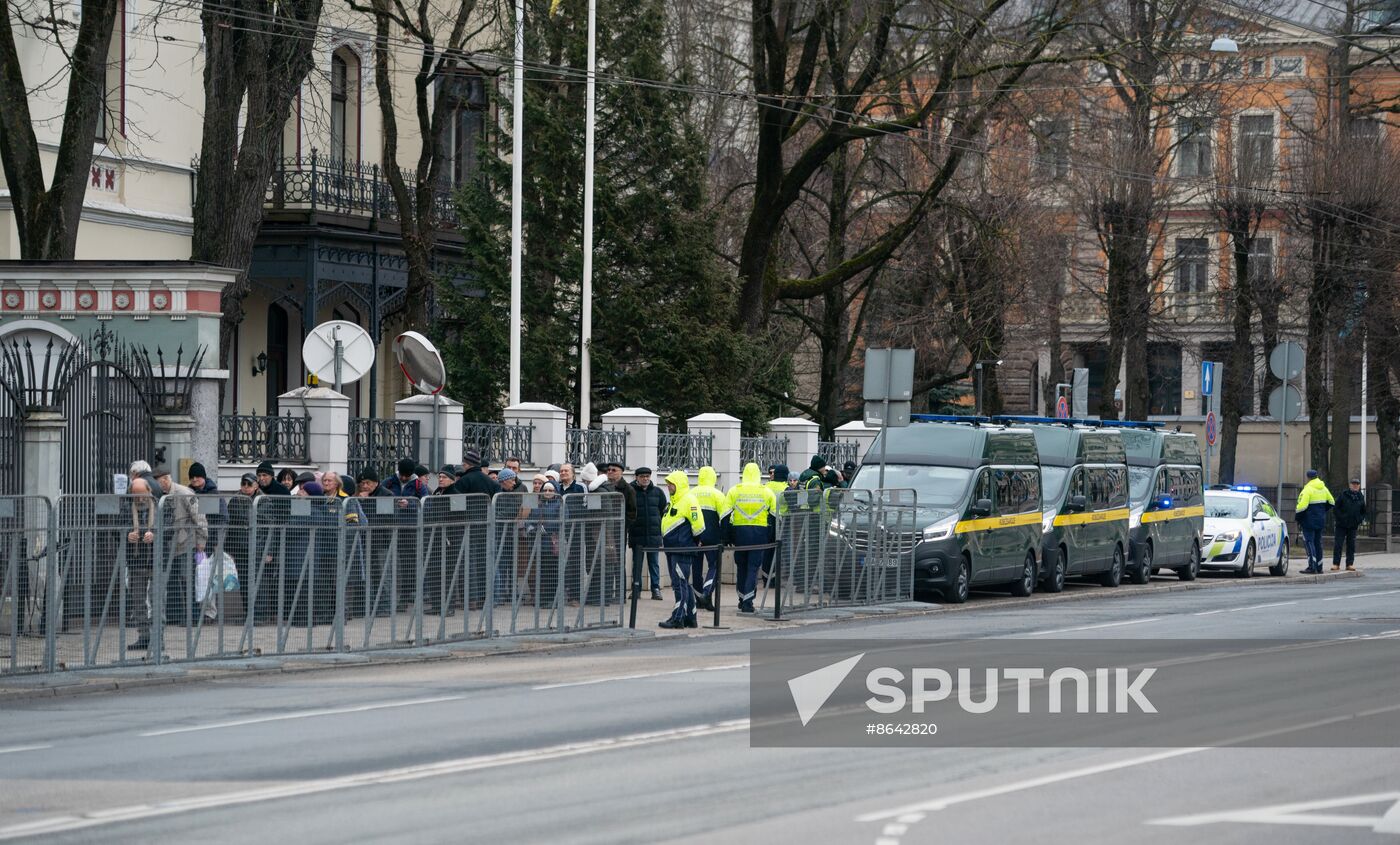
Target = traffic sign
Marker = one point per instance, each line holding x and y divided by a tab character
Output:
1286	361
1285	403
1062	408
1212	430
1207	378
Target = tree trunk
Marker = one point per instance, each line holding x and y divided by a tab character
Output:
47	216
1240	361
833	327
1345	383
1387	425
1319	354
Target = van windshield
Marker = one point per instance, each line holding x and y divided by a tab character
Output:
1139	484
934	487
1053	480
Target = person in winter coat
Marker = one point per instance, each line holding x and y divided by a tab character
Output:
780	481
812	481
714	507
473	480
200	482
644	532
267	481
682	525
613	482
1313	502
1351	512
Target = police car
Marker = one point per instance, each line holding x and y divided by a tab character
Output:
1242	530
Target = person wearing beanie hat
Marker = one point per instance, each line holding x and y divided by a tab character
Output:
644	532
267	483
473	479
311	488
406	467
265	467
447	476
200	482
409	482
508	480
812	481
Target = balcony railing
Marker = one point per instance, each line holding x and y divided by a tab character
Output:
497	441
320	184
380	444
582	445
838	452
684	451
248	439
764	451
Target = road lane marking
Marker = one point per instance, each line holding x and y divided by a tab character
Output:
305	714
97	818
1102	768
1361	595
640	676
1300	813
15	749
1246	607
1093	627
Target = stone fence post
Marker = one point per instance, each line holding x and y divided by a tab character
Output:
727	431
327	427
802	438
449	421
862	434
549	439
643	434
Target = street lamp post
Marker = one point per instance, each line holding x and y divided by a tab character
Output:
980	376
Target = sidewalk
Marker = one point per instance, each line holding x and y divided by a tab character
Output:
649	613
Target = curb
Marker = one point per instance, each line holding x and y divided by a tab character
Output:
75	684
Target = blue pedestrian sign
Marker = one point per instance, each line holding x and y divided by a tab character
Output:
1207	378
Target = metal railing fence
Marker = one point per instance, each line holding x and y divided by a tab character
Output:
25	582
686	452
498	442
249	439
838	452
764	451
582	445
380	444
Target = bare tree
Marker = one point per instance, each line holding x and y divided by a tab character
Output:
442	75
47	214
257	54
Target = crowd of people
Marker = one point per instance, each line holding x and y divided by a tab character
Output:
690	523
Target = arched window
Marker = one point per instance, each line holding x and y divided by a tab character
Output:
463	131
277	353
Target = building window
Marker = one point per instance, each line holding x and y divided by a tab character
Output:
1052	149
1261	263
1164	379
465	127
1192	264
111	90
1368	131
1220	353
340	85
1193	152
1256	147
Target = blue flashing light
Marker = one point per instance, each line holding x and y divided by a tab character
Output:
1151	426
1245	488
951	418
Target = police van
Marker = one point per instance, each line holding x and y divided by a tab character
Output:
1084	481
977	488
1166	519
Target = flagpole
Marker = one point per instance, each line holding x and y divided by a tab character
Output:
517	165
585	370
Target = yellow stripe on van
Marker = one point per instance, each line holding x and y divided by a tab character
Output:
1115	515
989	522
1174	513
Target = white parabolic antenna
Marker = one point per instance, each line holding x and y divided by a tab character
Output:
420	362
338	352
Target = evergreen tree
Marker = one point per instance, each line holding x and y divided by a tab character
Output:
662	305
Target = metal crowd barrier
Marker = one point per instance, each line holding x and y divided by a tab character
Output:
843	548
103	580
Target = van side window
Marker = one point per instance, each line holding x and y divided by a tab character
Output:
1004	497
1030	480
982	489
1076	484
1163	486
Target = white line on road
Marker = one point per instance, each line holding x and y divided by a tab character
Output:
136	812
1090	771
1246	607
305	714
1093	627
15	749
640	676
1361	595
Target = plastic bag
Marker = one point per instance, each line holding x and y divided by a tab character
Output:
206	578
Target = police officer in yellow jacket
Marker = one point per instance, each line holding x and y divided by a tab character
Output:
681	528
1314	500
714	507
752	509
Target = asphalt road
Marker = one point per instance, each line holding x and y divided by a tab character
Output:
649	742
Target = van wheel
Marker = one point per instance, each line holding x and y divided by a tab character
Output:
1246	569
1026	585
1143	573
1281	568
962	585
1055	581
1193	564
1114	576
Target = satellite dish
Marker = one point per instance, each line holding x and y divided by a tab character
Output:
420	362
339	352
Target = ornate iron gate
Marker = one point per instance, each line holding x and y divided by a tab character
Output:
11	443
109	422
